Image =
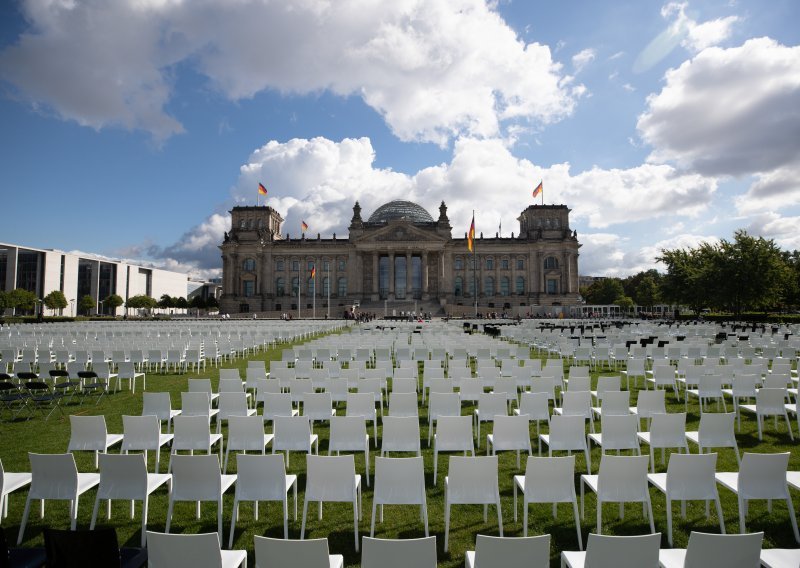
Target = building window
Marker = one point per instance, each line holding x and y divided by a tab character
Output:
342	287
471	286
459	287
295	285
552	286
505	286
280	288
311	288
504	264
295	266
520	285
489	264
249	288
550	262
325	286
309	265
242	224
249	265
459	263
488	287
520	264
279	266
326	266
342	264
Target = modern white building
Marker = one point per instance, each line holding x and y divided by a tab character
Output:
42	271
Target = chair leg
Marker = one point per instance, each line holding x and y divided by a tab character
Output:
446	522
372	523
24	520
793	519
233	521
577	522
303	525
94	513
599	516
355	519
719	514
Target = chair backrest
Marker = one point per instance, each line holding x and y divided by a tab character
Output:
277	404
536	405
550	479
230	374
716	429
403	404
232	404
651	402
710	385
578	384
292	433
622	478
361	404
473	480
619	431
196	478
567	432
246	433
691	476
177	550
608	384
454	433
770	401
443	404
401	434
745	385
577	403
200	385
404	385
491	405
87	432
317	405
234	384
65	549
348	433
330	478
141	432
731	550
399	481
668	430
53	476
763	476
260	477
615	402
398	553
622	551
512	432
123	475
512	552
197	403
156	404
280	553
191	433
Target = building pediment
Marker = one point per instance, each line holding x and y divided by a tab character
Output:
397	231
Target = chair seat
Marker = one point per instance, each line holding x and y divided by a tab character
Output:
729	479
644	437
658	480
671	557
573	558
156	480
227	481
113	439
693	436
591	481
792	478
780	557
233	558
13	481
86	481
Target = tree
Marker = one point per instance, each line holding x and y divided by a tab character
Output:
86	304
21	299
625	303
690	279
56	300
646	293
604	291
112	302
166	301
141	301
181	303
212	303
198	302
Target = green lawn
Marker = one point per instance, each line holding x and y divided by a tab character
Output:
37	435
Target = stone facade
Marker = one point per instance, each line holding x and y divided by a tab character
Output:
399	257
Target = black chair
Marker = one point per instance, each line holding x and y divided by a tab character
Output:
19	557
87	549
92	385
62	383
12	398
41	397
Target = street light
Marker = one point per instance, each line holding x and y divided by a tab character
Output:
72	308
100	308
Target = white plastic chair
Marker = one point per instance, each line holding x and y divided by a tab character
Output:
400	434
280	553
198	478
399	481
349	434
9	482
89	434
143	433
403	404
634	370
769	402
509	552
232	404
615	552
689	477
649	403
547	480
197	403
577	403
193	433
441	404
568	433
363	404
704	549
399	553
666	431
125	477
715	431
536	406
453	434
708	387
489	406
743	387
245	433
262	478
510	433
471	480
622	479
664	376
618	433
294	433
318	406
333	479
760	476
159	404
126	371
56	477
191	551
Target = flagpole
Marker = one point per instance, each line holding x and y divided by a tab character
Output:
314	284
299	284
328	276
474	270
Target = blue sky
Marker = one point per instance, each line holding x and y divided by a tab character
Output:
131	127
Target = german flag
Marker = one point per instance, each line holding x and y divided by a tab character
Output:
471	235
261	189
313	272
538	189
304	226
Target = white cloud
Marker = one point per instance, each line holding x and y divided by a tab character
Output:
773	226
772	191
583	58
432	70
728	111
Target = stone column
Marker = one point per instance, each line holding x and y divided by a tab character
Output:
375	275
540	271
512	287
391	276
408	274
425	294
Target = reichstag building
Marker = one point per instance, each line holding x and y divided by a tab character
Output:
399	259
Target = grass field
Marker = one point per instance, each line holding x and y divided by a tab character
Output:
36	435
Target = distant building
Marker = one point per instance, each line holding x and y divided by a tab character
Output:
399	259
42	271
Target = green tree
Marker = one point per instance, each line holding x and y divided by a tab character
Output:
198	302
647	293
112	302
181	303
625	303
141	301
86	304
56	300
604	291
166	301
212	303
689	280
21	299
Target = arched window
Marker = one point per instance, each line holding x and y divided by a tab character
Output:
342	287
520	285
248	288
459	263
505	286
488	288
280	287
325	286
490	263
249	265
295	285
550	262
504	264
459	286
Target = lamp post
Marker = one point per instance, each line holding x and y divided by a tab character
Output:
100	307
72	308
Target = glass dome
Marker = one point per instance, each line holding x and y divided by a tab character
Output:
400	210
